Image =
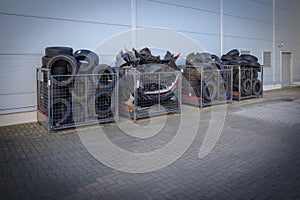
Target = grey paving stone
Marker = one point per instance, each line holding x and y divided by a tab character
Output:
256	157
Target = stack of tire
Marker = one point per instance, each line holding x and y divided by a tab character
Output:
249	67
213	85
73	87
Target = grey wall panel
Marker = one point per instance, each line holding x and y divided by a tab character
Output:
204	5
210	43
256	10
17	73
31	35
177	17
239	27
113	11
17	103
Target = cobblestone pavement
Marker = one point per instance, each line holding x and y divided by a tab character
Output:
256	157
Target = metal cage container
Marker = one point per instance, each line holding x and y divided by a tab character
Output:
205	85
65	101
145	94
247	82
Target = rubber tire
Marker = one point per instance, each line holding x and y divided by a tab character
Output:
249	58
45	61
254	74
195	58
57	121
80	90
209	71
104	71
253	64
209	90
239	62
256	87
91	59
107	103
227	62
51	52
226	58
72	69
78	111
233	52
246	84
222	89
237	57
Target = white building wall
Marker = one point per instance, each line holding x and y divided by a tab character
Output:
27	27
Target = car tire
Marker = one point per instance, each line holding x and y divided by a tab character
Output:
87	60
69	67
233	52
51	52
104	76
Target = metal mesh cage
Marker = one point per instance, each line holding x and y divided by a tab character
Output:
87	99
247	82
205	85
144	94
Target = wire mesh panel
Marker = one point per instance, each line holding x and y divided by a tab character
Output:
204	85
247	82
43	96
147	94
88	99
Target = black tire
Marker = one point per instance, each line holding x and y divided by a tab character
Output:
222	90
60	92
239	62
253	64
78	111
209	70
195	58
86	59
103	103
80	90
247	86
217	65
210	90
57	68
226	58
256	87
61	111
104	76
45	61
249	58
237	57
51	52
192	72
228	62
233	52
254	74
248	73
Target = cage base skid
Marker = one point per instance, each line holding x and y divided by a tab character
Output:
236	97
139	113
45	122
196	101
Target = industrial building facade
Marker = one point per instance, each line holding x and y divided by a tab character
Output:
268	29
